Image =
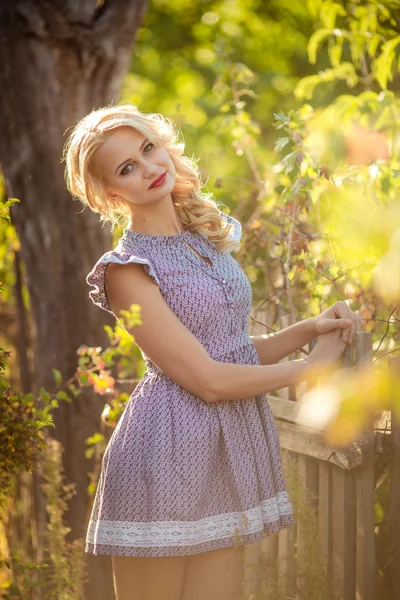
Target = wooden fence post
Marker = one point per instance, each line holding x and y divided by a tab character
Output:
365	490
394	510
343	480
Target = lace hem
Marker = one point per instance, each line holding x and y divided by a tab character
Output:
187	533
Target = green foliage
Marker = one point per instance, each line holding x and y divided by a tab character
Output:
9	244
64	579
180	54
95	364
63	576
383	65
21	420
95	368
24	580
23	442
344	71
366	32
21	435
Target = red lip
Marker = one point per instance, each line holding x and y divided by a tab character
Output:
157	182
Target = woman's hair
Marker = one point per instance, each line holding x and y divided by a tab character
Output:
197	210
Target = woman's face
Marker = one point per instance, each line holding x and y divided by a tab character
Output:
130	164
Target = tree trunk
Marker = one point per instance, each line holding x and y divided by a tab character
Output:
59	61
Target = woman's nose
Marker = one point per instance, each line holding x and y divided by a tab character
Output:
150	169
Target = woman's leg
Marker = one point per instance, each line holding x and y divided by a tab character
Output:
143	578
215	575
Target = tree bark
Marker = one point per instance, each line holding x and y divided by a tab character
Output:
59	61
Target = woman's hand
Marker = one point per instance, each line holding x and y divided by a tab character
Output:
327	350
339	316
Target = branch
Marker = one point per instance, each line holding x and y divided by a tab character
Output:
387	327
287	266
386	354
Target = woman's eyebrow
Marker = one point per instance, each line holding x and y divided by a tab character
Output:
128	159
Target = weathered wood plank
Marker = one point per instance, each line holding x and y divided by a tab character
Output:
287	411
301	530
286	541
283	546
365	486
325	514
394	508
252	553
283	408
269	548
343	532
344	480
308	441
307	468
312	481
292	533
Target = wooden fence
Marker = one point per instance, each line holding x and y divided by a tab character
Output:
342	483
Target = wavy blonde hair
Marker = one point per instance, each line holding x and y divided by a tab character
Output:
197	210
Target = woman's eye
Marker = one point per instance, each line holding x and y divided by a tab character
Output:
124	172
147	149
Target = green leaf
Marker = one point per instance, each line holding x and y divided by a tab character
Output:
75	391
314	6
329	12
45	423
335	51
43	395
383	65
109	331
305	87
29	397
57	376
84	379
224	108
315	43
62	395
372	45
281	143
94	439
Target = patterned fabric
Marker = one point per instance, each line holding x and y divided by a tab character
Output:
180	476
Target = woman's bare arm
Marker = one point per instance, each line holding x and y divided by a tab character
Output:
179	354
273	347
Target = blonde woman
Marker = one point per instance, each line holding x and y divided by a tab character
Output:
193	470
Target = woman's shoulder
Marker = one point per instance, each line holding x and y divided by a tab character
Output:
125	252
237	226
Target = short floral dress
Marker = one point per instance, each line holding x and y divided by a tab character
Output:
180	476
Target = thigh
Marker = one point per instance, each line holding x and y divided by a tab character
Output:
143	578
215	575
